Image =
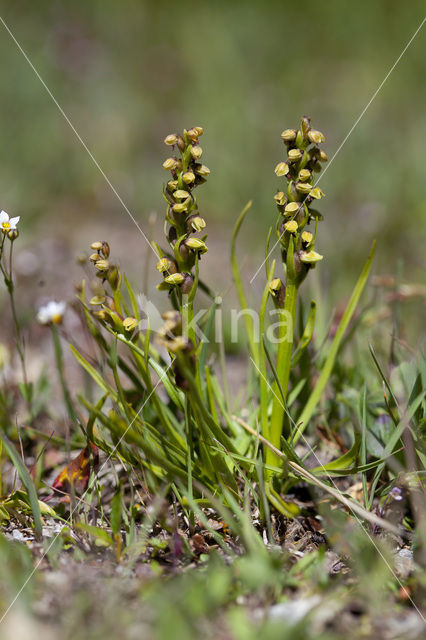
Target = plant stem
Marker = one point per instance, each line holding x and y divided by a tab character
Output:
285	347
189	434
8	280
187	312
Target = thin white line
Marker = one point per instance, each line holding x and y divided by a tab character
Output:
373	96
73	511
80	139
352	128
337	489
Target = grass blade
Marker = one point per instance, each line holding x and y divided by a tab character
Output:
240	289
327	368
26	481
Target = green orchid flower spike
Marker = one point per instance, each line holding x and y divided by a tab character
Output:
183	219
294	203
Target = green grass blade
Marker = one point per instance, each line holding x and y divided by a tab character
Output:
263	380
327	368
382	375
344	461
307	335
103	538
208	332
240	289
393	441
26	481
95	375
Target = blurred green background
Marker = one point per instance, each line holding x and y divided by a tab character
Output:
128	73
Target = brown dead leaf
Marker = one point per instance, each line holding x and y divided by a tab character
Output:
356	492
75	476
198	544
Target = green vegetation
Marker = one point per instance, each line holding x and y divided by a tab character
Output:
202	481
220	435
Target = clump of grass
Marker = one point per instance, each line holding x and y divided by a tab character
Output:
157	406
191	441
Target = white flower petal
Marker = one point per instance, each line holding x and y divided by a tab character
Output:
4	217
42	316
51	312
14	222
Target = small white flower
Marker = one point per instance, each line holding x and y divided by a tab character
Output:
51	313
6	223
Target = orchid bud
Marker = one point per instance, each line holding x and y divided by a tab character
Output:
305	126
180	194
202	171
316	193
316	137
97	300
196	223
100	314
192	134
188	177
304	175
196	245
180	143
277	291
170	164
171	139
196	152
130	323
180	207
274	286
288	135
303	187
174	278
306	238
294	155
291	209
280	198
105	250
310	257
281	169
172	185
102	265
165	264
291	226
